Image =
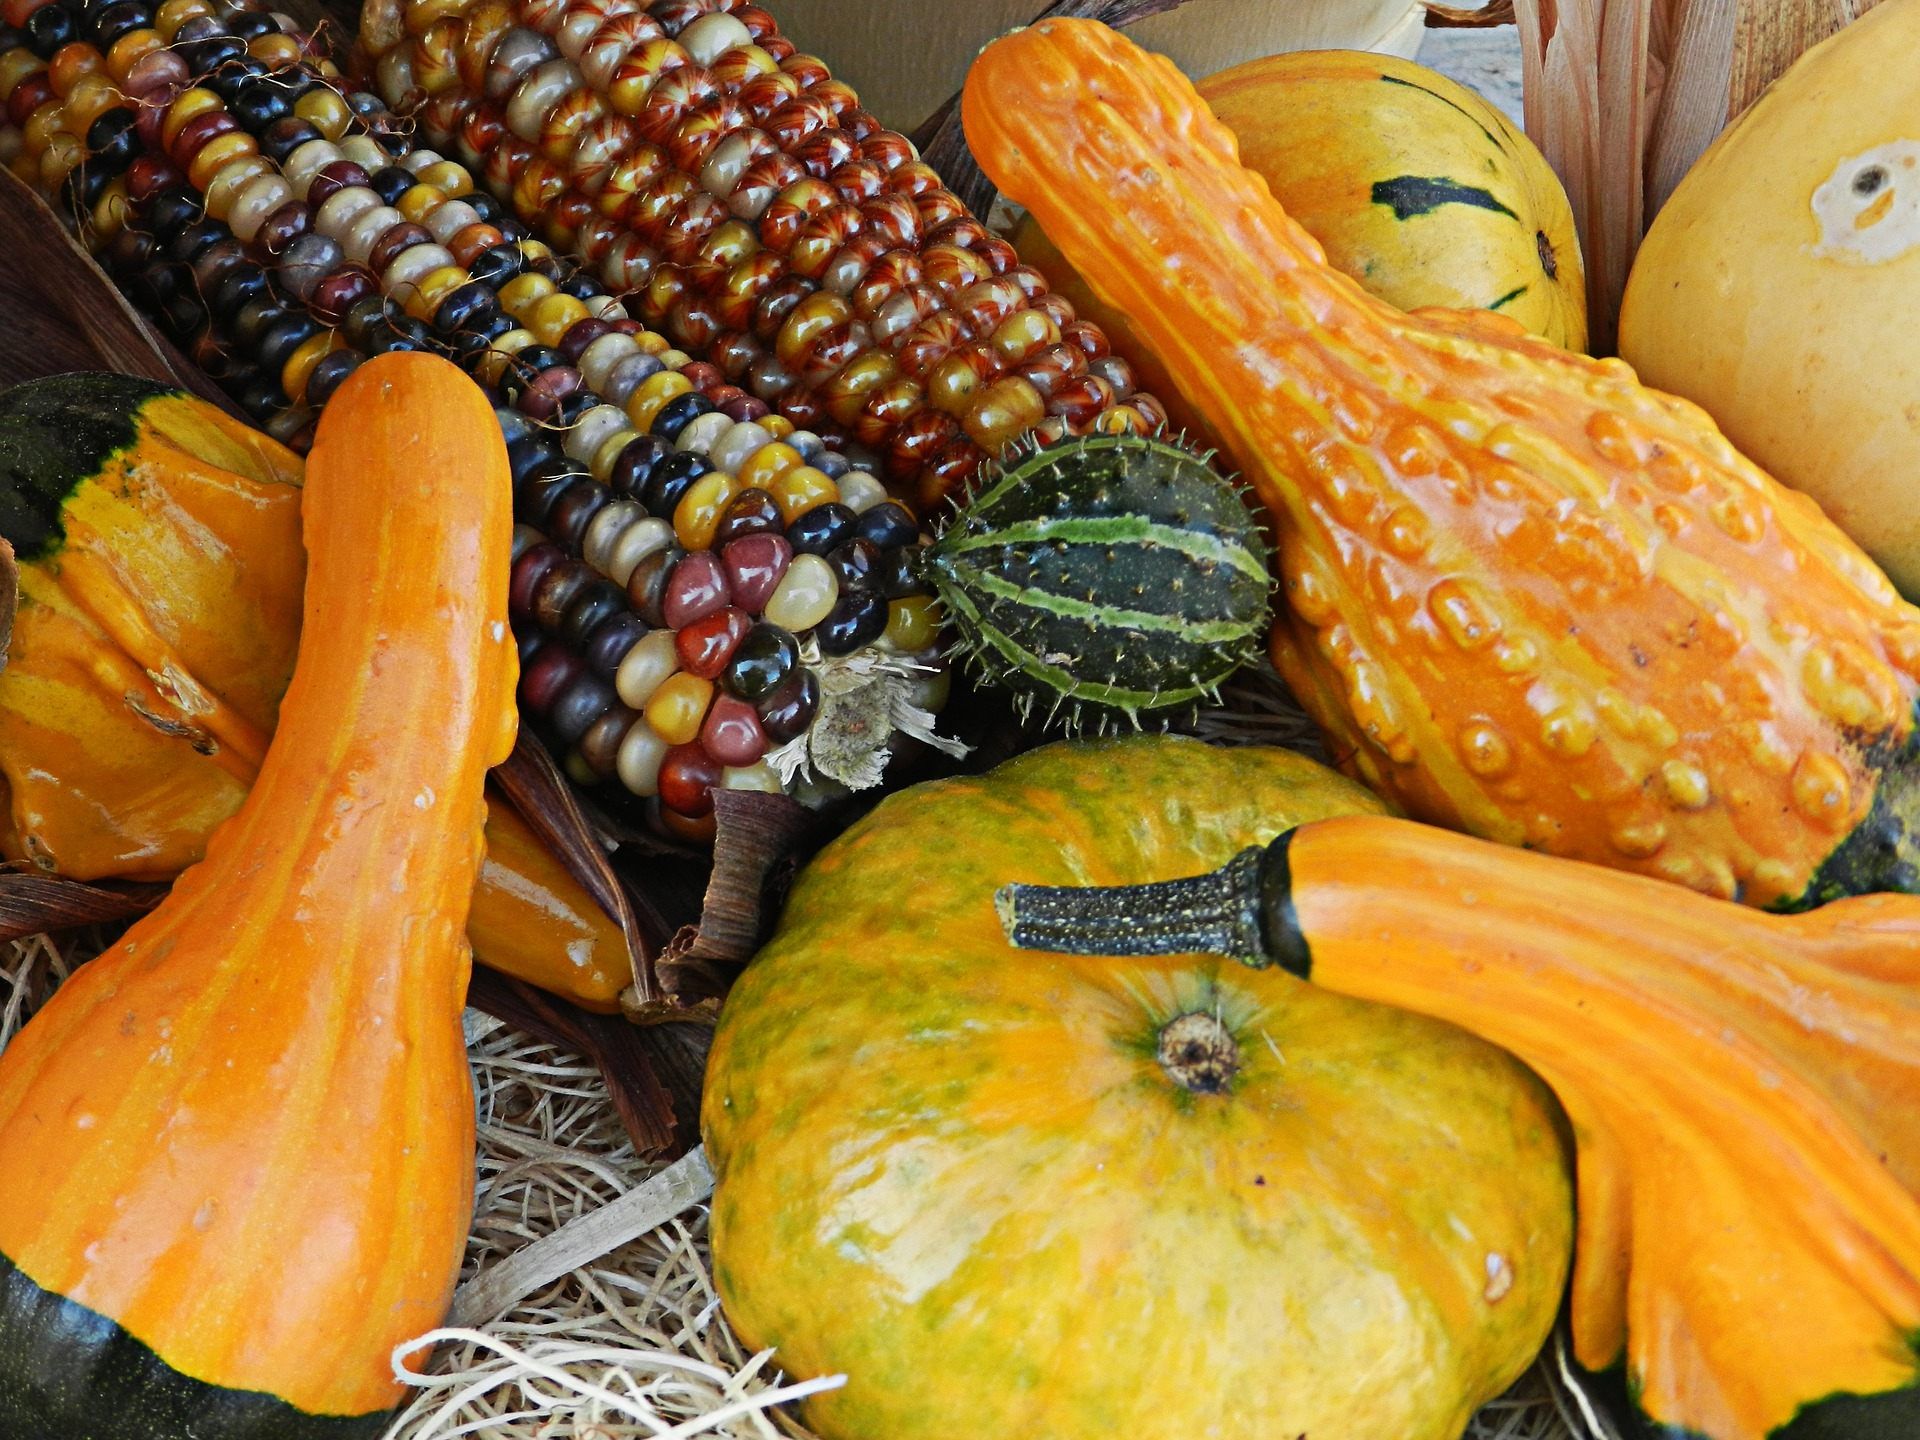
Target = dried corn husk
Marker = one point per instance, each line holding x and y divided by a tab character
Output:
1623	95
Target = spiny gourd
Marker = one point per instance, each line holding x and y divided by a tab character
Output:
1105	577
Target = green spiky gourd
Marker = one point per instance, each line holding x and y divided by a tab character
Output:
1106	576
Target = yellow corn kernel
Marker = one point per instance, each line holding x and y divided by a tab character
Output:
1022	333
1005	411
551	316
216	153
953	385
519	294
433	287
500	353
110	212
449	176
778	426
802	489
698	514
652	393
674	710
299	367
174	13
417	202
913	624
62	156
650	342
607	453
129	50
326	110
15	66
185	106
225	186
277	50
767	464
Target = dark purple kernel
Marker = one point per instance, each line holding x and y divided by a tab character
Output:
761	663
887	524
390	183
560	588
697	588
394	242
790	709
673	479
821	529
541	397
284	226
751	512
286	135
527	450
647	585
858	618
529	570
546	483
551	671
580	704
599	602
571	407
330	180
854	563
608	646
678	413
898	574
573	512
600	746
579	336
635	465
328	375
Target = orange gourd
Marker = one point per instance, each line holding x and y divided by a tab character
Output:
236	1152
1530	598
160	608
1744	1091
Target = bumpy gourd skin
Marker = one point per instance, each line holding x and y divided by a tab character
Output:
957	1173
242	1138
1529	598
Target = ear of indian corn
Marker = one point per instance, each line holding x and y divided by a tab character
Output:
756	214
282	230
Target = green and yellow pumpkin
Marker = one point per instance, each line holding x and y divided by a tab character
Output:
1025	1195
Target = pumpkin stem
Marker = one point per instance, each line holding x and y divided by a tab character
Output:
1242	910
1198	1052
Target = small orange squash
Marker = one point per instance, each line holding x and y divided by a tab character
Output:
1530	598
1744	1091
236	1152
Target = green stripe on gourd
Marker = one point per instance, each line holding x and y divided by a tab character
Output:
1104	577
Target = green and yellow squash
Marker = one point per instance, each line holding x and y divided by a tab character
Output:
1008	1195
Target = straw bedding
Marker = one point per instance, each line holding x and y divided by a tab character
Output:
631	1345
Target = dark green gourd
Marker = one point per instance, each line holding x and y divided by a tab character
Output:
1105	577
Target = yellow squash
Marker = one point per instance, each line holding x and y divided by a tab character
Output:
1776	288
1024	1196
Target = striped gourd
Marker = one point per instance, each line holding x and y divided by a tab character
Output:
1105	576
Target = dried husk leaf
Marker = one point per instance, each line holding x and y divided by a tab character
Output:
33	904
63	313
653	1073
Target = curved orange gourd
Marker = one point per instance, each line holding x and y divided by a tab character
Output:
1530	598
160	609
236	1151
1744	1089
